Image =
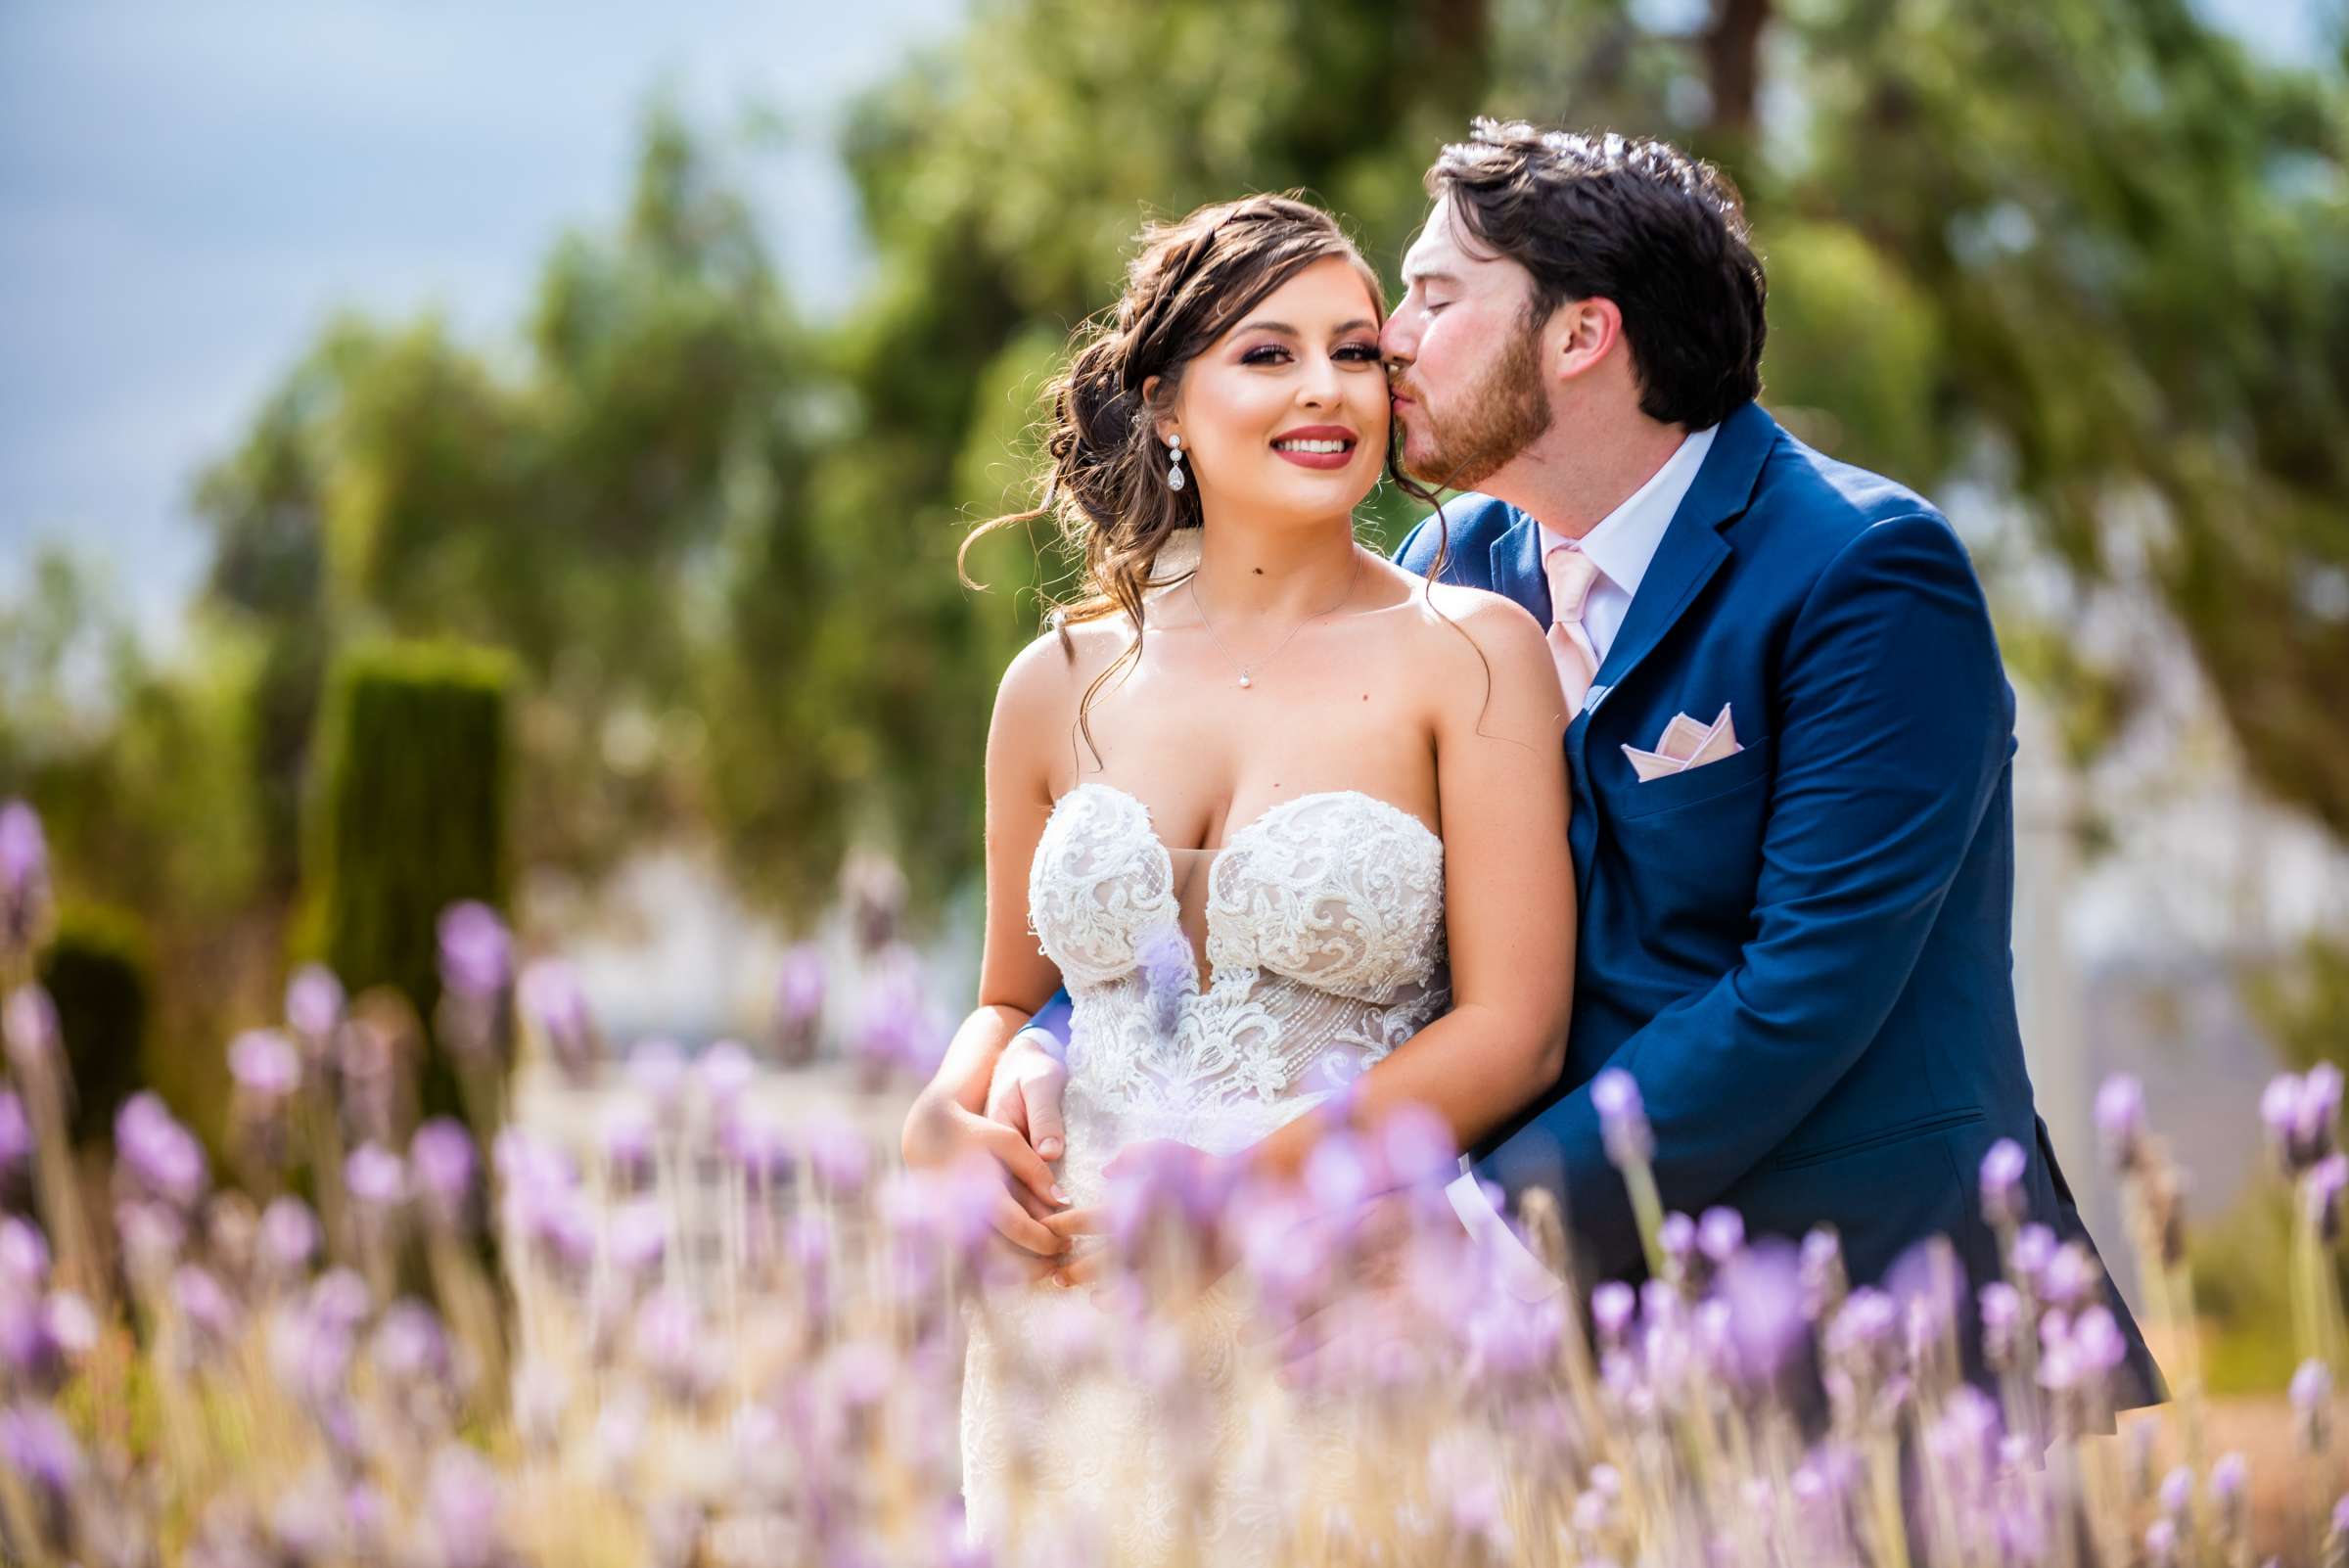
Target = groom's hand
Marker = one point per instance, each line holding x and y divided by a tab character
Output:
1024	1094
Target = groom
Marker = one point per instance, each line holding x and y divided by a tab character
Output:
1793	823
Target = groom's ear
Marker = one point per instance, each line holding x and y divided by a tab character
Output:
1580	334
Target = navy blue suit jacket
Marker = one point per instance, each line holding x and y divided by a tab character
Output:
1802	952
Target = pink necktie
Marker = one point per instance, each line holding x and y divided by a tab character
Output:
1571	573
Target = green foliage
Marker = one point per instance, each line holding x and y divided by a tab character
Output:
2302	1002
2135	239
410	809
98	971
2084	254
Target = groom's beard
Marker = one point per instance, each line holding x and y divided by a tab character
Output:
1500	417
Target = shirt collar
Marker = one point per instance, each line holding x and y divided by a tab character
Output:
1626	539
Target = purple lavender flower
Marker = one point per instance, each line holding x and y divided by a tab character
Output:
340	1300
667	1341
477	951
895	1030
375	1176
1860	1335
159	1155
1720	1234
2311	1395
2161	1544
2300	1113
757	1144
2069	1275
461	1503
288	1237
15	1138
313	1004
2032	1251
655	1070
205	1307
264	1064
23	1257
409	1346
1676	1237
800	1003
24	878
2321	1195
556	1005
2003	1182
1823	1278
2098	1339
40	1449
441	1153
725	1072
1337	1177
1612	1308
631	1144
28	1356
152	1233
1164	955
29	1020
841	1157
1762	1288
1416	1145
72	1325
2177	1494
1622	1117
2002	1315
2121	1120
2319	1109
2230	1488
639	1238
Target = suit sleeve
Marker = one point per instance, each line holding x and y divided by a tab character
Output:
1417	551
1896	724
1050	1028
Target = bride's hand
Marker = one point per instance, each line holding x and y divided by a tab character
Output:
1025	1090
1164	1161
941	1133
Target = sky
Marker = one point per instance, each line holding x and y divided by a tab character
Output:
187	192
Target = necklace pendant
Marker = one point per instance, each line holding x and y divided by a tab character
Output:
1245	683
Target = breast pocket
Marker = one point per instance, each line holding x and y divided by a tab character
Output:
1747	770
1690	844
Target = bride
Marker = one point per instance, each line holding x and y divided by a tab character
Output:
1287	822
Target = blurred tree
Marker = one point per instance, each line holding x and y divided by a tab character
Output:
98	972
410	813
2084	254
579	512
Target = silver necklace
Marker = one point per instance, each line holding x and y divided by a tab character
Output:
1247	677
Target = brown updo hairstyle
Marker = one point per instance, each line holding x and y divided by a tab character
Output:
1105	478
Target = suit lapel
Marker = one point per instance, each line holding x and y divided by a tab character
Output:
1691	551
1516	564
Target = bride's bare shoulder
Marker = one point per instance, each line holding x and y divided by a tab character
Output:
1045	680
1492	623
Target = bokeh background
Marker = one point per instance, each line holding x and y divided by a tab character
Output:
519	451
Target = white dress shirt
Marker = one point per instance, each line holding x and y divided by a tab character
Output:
1620	546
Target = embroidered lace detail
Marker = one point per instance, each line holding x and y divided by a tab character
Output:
1325	945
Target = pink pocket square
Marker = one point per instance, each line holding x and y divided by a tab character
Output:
1686	744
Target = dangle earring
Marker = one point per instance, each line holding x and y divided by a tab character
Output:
1174	460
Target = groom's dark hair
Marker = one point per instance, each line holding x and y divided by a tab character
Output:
1639	222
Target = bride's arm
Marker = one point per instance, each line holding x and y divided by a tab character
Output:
947	1122
1508	891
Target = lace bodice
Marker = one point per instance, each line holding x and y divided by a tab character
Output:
1324	947
1321	927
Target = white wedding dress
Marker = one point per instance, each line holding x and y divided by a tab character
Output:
1322	926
